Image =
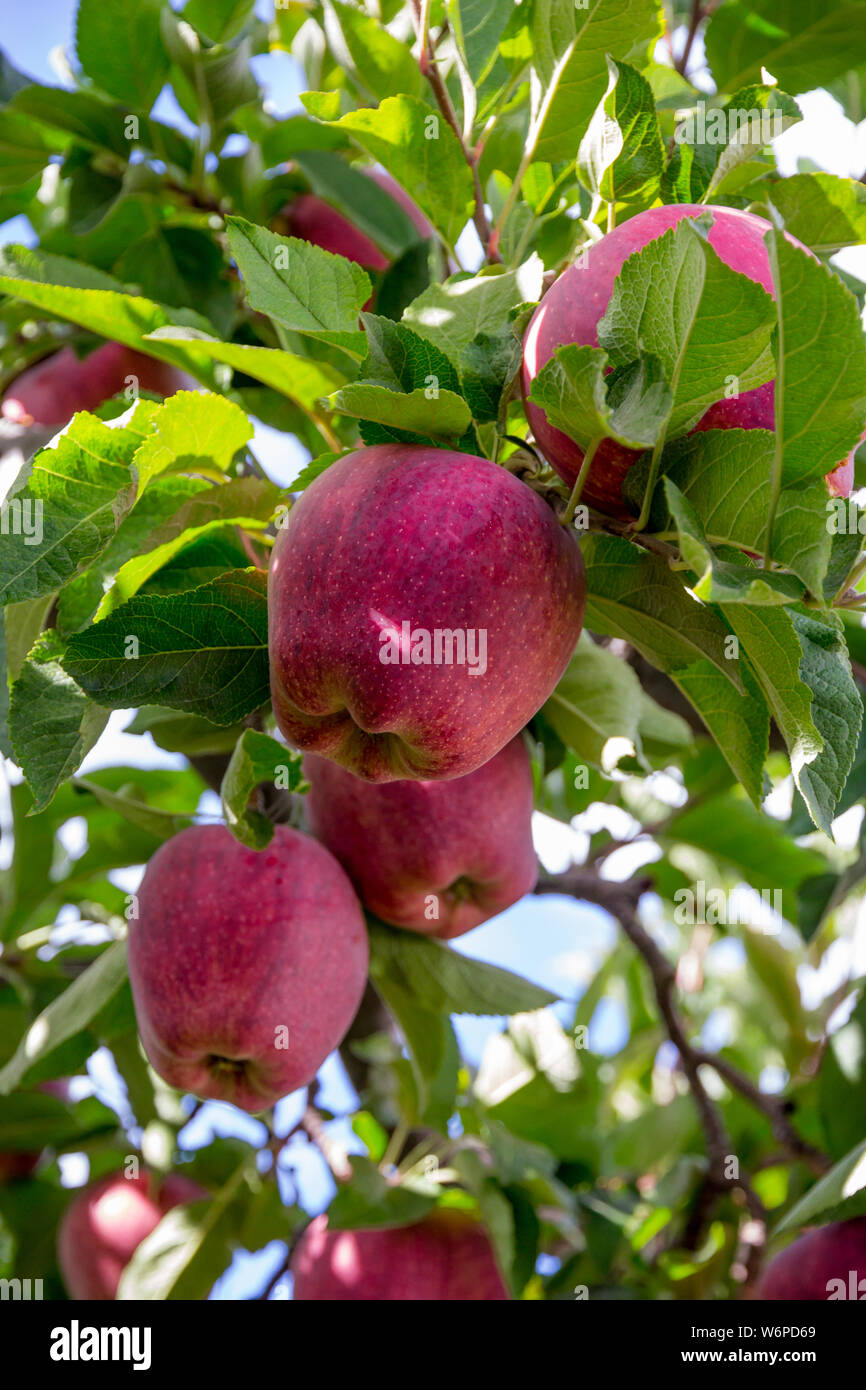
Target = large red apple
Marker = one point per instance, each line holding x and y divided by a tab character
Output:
447	1256
51	392
436	857
825	1264
246	966
422	606
312	219
106	1222
570	313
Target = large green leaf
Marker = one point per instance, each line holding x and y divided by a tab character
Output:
203	650
121	49
677	301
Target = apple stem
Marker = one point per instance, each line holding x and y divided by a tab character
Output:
580	480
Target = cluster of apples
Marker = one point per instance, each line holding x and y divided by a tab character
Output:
247	967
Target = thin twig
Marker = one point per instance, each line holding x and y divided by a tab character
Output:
429	69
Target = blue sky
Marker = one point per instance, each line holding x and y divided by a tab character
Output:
553	941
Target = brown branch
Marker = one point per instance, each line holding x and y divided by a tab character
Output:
694	23
430	70
334	1155
621	900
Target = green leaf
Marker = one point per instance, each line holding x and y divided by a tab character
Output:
826	213
98	125
821	377
734	579
739	721
203	651
580	398
441	416
301	286
420	150
677	301
381	64
570	47
299	378
52	723
25	149
193	430
837	712
368	1200
622	154
596	707
121	49
156	822
478	27
842	1084
442	980
452	314
634	595
74	496
188	1251
66	1015
803	43
728	828
30	1121
725	475
256	758
718	139
126	318
247	502
488	366
164	498
838	1196
218	20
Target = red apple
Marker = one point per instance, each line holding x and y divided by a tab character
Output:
447	1256
246	966
51	392
570	313
825	1264
436	857
106	1222
17	1164
312	219
422	606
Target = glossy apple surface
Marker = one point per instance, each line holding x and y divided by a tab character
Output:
445	1257
435	857
106	1222
395	542
246	966
823	1264
312	219
54	389
570	313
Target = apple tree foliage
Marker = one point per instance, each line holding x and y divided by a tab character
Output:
705	681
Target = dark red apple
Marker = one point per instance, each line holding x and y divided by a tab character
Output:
422	606
17	1164
825	1264
106	1222
570	313
312	219
51	392
445	1257
246	966
436	857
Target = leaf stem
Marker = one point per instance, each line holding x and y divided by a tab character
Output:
580	481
